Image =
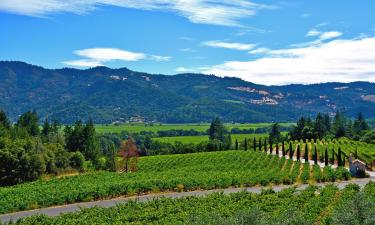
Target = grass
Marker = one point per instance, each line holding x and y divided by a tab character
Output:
198	139
138	127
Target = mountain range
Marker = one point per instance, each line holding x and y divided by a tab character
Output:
121	95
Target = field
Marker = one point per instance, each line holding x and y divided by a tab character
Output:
208	170
138	127
313	205
198	139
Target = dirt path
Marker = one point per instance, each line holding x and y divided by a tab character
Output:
55	211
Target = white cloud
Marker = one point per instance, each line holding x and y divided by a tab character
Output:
83	63
313	33
160	58
217	12
185	70
187	50
259	51
323	35
107	54
98	56
229	45
330	35
336	60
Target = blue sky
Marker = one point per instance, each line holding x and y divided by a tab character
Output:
269	42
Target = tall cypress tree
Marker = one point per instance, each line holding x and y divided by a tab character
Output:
236	144
298	152
260	144
306	153
254	144
271	148
277	149
333	156
245	144
315	156
265	144
283	148
326	157
91	142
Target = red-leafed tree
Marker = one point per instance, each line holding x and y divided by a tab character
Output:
129	151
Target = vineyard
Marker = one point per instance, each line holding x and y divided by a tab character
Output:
313	205
208	170
335	152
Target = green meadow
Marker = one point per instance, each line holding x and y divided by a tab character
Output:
138	127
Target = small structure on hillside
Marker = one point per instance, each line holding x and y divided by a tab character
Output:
129	151
357	167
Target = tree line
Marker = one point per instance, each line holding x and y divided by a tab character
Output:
339	126
29	150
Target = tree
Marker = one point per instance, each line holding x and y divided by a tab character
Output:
217	130
338	125
283	148
275	134
315	156
320	126
254	144
360	125
47	128
271	148
90	143
326	157
260	144
4	121
77	161
245	144
236	144
29	121
265	145
306	156
298	152
277	149
129	151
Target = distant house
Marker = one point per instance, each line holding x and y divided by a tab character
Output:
357	167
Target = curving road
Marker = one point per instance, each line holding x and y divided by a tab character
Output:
55	211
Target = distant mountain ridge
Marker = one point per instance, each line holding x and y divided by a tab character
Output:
110	95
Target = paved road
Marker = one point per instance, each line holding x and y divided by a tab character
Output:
55	211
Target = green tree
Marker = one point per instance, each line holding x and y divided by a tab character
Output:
320	126
4	121
338	126
30	122
217	130
360	125
46	129
275	134
298	153
77	161
90	143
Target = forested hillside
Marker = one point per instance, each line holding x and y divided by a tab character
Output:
108	95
